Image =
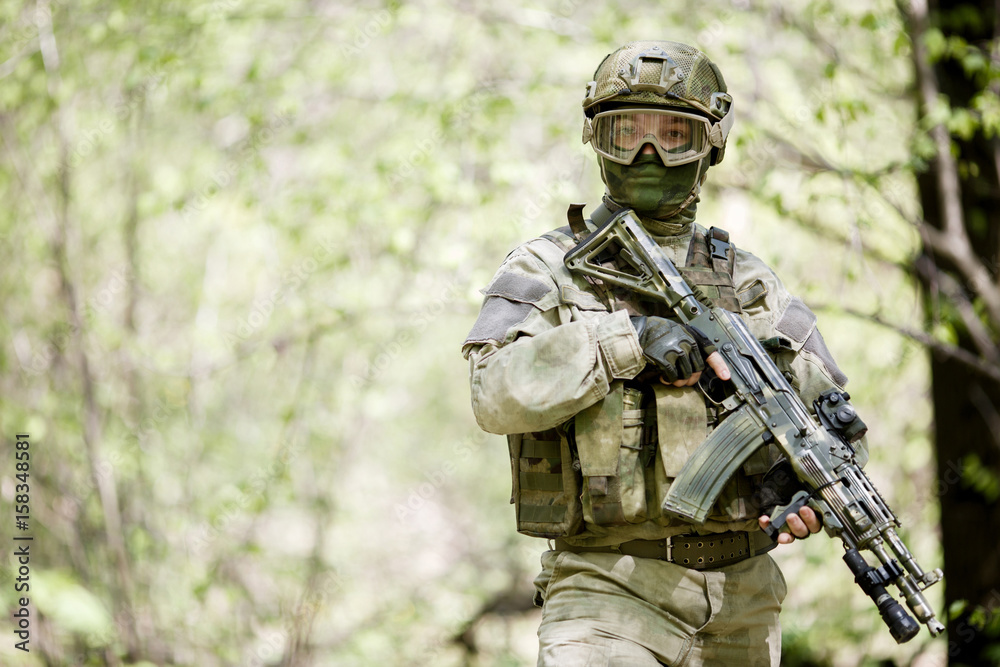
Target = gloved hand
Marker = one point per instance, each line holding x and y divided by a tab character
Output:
670	346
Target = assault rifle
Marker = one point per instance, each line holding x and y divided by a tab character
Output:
764	409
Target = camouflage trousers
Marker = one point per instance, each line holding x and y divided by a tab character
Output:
613	610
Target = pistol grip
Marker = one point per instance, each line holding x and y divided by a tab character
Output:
779	517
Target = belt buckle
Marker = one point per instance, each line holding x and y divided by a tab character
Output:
670	549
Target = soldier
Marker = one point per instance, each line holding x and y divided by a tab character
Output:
598	393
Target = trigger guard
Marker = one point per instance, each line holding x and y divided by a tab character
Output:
714	389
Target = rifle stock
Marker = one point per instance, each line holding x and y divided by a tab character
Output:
766	410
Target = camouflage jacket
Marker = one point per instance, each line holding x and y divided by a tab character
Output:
549	348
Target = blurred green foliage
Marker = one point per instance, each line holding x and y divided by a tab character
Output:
241	245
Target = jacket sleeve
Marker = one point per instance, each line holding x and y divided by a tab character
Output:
543	348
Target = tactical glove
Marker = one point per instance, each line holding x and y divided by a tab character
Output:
670	346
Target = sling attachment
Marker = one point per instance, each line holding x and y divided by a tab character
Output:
579	229
575	216
578	225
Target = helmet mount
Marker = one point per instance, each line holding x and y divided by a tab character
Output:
656	74
669	72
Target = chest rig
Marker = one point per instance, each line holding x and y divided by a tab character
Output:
560	481
709	265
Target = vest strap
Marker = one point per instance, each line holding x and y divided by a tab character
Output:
710	264
575	216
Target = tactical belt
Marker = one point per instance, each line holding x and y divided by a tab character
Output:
698	552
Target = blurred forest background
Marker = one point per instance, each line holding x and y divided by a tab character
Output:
241	243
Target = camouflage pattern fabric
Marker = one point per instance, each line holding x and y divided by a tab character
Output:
651	189
659	73
560	349
608	609
550	350
695	80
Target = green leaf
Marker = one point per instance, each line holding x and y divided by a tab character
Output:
71	607
869	21
963	123
974	61
935	43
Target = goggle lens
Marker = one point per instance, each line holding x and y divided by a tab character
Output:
678	138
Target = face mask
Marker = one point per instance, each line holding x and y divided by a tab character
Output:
650	188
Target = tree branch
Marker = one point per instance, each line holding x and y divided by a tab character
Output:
8	66
104	482
964	357
953	291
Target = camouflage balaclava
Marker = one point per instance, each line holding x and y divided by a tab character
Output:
652	189
658	74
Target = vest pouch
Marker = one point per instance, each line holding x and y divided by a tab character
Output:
608	438
681	427
546	489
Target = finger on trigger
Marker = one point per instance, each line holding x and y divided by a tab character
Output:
718	364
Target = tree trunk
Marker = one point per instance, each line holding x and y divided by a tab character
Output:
967	417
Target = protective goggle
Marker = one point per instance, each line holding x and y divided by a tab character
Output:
678	137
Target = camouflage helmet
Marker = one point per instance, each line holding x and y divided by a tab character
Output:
660	73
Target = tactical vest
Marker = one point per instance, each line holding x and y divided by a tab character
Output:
556	487
709	265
